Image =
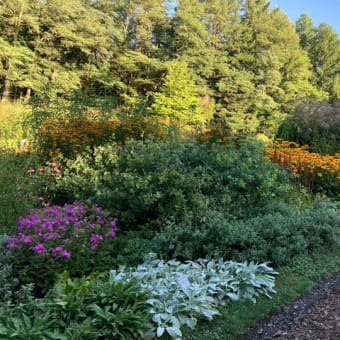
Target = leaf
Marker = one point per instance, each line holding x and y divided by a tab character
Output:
174	332
160	331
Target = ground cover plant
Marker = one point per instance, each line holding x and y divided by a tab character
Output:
155	299
93	307
183	292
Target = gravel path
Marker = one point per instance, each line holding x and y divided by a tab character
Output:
315	316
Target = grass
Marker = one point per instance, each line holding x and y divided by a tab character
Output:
298	278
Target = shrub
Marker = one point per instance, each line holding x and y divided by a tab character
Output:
54	239
148	183
19	187
87	308
12	116
5	268
181	293
278	234
316	125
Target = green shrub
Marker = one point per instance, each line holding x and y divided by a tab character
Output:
5	268
12	116
19	187
276	235
88	308
148	183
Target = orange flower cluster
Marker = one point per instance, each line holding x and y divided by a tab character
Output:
73	136
299	160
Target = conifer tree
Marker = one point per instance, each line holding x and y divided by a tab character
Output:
177	99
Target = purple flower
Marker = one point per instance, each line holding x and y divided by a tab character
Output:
65	253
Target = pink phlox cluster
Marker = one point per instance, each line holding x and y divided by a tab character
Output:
55	230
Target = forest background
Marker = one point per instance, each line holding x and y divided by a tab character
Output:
241	62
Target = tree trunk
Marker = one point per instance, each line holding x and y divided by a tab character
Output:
28	94
7	90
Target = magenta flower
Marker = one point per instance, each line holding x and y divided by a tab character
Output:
50	230
65	253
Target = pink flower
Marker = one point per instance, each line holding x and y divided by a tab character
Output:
65	253
30	170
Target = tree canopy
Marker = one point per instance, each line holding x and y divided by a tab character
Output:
245	56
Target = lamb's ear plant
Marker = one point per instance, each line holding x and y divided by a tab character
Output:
184	292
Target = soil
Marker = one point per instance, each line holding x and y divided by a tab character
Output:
314	316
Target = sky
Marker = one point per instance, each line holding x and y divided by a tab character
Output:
327	11
319	10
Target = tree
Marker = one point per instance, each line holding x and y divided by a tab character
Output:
323	47
307	32
178	99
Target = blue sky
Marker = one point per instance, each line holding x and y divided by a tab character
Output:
319	10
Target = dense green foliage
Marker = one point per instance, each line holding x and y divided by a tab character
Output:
144	107
279	233
206	200
154	182
323	47
19	189
177	99
5	268
244	56
86	308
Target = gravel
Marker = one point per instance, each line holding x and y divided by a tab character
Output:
313	316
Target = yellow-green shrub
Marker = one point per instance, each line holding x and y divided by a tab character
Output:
11	118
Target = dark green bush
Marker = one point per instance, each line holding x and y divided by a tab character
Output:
92	307
276	236
6	281
19	187
149	183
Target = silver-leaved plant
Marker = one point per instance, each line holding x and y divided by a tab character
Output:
183	292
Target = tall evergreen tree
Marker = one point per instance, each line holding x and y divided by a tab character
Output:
323	47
